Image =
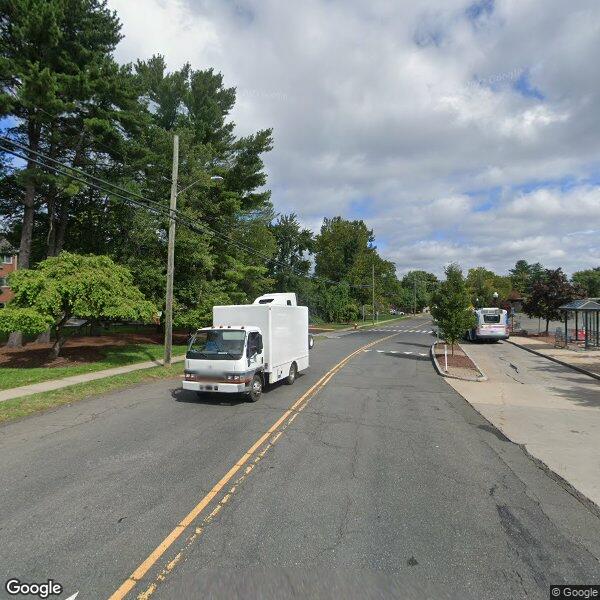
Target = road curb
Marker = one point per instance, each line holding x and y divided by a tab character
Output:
539	463
441	371
556	360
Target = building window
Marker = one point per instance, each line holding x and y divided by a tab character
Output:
7	259
3	282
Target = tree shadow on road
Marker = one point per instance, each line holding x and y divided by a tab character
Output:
572	388
579	388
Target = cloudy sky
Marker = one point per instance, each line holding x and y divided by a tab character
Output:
457	130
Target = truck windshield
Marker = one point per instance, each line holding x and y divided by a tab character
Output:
224	344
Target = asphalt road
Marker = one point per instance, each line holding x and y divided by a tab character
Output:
382	483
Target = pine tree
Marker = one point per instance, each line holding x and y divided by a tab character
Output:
56	58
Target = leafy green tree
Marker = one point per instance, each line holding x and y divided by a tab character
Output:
387	286
548	293
58	81
589	280
70	285
524	274
65	96
334	303
232	255
291	264
451	306
418	285
345	252
519	276
338	245
483	283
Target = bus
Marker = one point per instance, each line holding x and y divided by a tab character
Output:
492	324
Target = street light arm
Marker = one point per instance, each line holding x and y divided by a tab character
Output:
187	187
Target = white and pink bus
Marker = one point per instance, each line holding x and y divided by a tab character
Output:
492	324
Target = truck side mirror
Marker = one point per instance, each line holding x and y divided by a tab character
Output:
259	344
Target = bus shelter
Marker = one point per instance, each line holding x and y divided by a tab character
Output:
585	315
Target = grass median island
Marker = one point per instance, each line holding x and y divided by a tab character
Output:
22	407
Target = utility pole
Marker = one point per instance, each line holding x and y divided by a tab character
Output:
414	294
373	310
171	255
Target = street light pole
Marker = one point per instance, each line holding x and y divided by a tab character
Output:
171	255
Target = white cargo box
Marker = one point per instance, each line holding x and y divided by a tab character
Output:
284	329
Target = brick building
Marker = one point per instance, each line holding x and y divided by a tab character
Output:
8	264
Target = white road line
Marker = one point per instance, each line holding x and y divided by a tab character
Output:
422	354
366	351
407	352
380	351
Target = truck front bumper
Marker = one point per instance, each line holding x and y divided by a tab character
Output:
226	388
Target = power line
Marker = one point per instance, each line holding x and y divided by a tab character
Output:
147	203
81	172
177	213
110	151
151	205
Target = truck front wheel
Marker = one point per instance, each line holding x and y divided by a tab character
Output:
289	380
256	388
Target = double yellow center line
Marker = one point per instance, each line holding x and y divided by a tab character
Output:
298	405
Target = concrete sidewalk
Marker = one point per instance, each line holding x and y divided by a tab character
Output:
588	360
56	384
553	411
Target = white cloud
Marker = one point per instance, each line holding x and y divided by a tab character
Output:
409	112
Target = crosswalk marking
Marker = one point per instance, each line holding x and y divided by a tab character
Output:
386	329
398	352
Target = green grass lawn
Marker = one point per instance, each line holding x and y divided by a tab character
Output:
382	319
22	407
113	357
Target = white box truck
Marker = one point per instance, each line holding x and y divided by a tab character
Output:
249	346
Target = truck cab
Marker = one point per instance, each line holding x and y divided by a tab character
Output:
225	359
